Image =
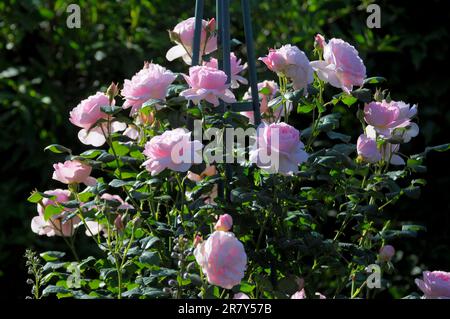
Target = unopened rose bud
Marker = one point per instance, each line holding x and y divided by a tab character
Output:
112	91
378	96
198	239
319	41
386	253
211	26
146	119
224	223
118	222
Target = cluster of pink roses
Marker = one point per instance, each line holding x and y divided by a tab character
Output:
222	256
388	122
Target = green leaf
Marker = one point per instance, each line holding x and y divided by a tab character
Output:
35	197
438	148
58	149
91	153
152	102
364	95
52	255
148	242
120	183
375	80
51	210
339	136
149	258
194	112
54	290
110	109
414	228
304	109
348	99
106	157
265	90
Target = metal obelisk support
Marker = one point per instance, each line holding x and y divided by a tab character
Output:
224	63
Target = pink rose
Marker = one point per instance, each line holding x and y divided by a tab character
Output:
406	129
386	252
299	295
278	149
173	150
87	113
151	82
123	205
73	172
54	226
222	259
240	295
277	112
236	68
207	84
291	62
184	37
389	152
392	119
435	284
224	223
367	149
342	67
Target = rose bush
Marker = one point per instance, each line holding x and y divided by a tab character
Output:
307	210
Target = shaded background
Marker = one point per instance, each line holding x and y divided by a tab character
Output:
46	69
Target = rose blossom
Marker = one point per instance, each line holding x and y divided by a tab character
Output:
183	35
389	153
386	252
342	67
435	284
367	149
173	150
265	98
149	83
236	68
73	172
291	62
224	223
278	149
134	131
207	84
54	226
87	113
222	259
299	295
392	119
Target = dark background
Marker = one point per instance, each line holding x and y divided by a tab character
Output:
47	68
